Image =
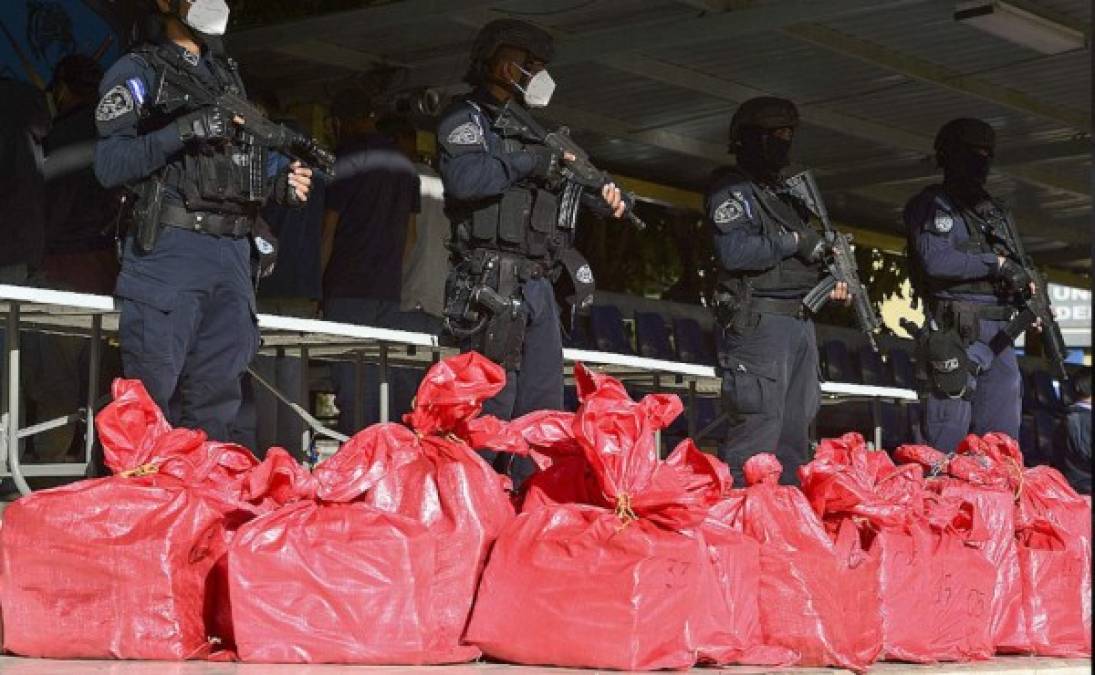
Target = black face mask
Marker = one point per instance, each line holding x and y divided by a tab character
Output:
966	167
763	153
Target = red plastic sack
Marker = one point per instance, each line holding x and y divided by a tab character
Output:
119	567
994	501
620	579
935	584
427	509
818	598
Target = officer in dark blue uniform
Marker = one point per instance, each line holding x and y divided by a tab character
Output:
187	327
966	284
769	259
509	243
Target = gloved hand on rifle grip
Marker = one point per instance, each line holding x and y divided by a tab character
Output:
207	124
1018	280
811	245
548	161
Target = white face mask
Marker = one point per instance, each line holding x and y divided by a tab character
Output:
539	89
208	17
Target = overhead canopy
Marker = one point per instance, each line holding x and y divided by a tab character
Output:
648	87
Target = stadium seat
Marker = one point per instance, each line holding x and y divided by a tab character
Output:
606	327
870	367
836	364
902	372
1030	401
652	336
692	345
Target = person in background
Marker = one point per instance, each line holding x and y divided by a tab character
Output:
368	207
1072	451
426	259
80	213
24	123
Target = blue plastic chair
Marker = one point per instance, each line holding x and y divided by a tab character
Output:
871	368
606	328
902	373
836	364
693	345
652	336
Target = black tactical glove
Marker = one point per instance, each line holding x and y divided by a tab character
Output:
547	161
207	124
811	246
1015	277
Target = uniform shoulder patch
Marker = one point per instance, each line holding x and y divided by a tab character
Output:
468	133
731	210
115	103
943	222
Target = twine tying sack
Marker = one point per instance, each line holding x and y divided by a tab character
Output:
142	470
624	511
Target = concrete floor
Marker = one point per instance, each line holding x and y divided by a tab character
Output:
10	665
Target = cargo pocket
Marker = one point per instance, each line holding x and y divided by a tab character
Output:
747	388
146	328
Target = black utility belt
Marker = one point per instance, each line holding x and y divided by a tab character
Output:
216	224
781	306
523	267
980	310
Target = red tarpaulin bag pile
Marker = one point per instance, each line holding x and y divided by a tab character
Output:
1051	538
378	560
119	567
935	584
818	597
605	566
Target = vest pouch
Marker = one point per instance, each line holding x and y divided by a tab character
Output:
545	212
514	215
484	223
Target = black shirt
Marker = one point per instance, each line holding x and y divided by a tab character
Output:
376	188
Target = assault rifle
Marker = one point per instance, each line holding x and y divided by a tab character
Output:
839	260
515	119
176	91
1034	307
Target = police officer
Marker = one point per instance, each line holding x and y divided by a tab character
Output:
508	244
769	259
187	326
967	285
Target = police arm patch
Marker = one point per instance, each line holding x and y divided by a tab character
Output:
943	222
730	211
115	103
467	133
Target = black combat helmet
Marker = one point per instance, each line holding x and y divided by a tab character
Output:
765	112
964	131
533	39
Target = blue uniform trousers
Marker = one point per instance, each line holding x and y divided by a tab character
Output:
771	392
538	385
996	404
188	329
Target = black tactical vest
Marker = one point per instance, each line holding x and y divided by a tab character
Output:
976	244
532	218
226	178
776	212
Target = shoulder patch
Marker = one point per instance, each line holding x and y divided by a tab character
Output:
943	222
731	210
115	103
467	133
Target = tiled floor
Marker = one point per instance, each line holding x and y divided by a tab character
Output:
19	666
